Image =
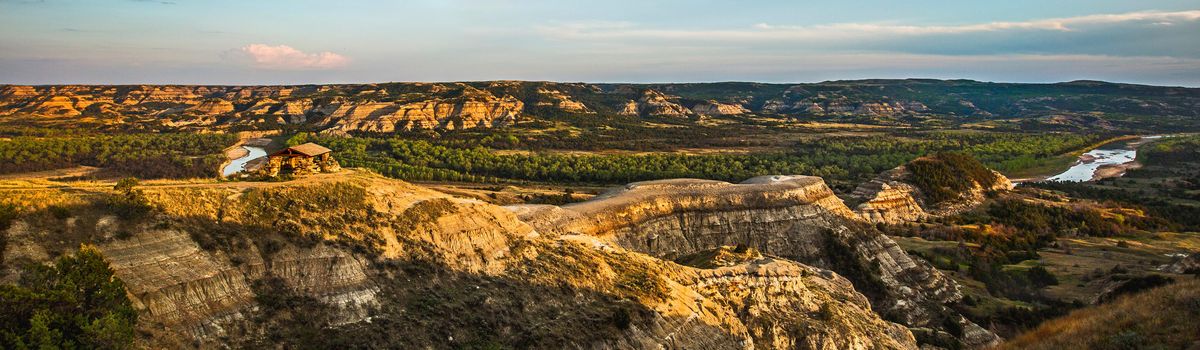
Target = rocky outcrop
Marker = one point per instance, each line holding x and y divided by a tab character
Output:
561	100
1186	264
371	262
352	108
850	107
630	108
654	103
213	106
888	199
177	284
891	198
795	217
879	109
476	112
269	106
713	107
783	300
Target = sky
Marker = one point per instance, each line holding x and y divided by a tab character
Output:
246	42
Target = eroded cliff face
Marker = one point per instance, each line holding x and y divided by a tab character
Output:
794	217
369	108
397	106
890	198
654	103
353	259
712	107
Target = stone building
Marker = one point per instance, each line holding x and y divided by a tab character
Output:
309	158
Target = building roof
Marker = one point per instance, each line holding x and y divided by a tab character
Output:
309	149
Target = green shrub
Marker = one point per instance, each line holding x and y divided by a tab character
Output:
129	203
75	303
946	176
8	214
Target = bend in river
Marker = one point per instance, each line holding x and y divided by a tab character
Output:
1115	153
238	165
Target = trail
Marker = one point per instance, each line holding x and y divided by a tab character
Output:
27	183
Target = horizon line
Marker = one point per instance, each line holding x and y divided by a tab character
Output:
610	82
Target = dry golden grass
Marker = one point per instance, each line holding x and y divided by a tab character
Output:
1162	318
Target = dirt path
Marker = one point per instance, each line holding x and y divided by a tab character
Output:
27	183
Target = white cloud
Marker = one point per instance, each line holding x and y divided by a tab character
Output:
839	31
287	58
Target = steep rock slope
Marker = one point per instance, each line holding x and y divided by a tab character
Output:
402	106
712	107
354	259
1166	317
371	108
654	103
795	217
893	198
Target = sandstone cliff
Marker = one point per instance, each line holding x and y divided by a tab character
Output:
892	198
352	259
654	103
794	217
562	101
398	106
370	108
713	107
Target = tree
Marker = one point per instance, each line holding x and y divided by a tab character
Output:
129	203
76	303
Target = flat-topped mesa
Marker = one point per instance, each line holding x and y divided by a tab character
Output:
712	107
620	212
896	195
794	217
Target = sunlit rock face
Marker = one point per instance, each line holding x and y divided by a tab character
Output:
389	264
712	107
409	106
654	103
794	217
890	198
367	108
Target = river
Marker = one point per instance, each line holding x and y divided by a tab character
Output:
1110	154
239	164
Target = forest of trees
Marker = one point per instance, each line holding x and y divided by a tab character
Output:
1166	188
142	155
948	175
842	161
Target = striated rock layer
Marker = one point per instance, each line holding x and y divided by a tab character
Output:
369	262
367	108
399	106
713	107
890	199
795	217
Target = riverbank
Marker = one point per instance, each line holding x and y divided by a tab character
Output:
1114	170
1063	162
239	150
1119	170
1111	159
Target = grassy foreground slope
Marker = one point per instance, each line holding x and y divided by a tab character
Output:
1162	318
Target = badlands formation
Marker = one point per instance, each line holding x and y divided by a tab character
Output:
388	107
362	259
890	199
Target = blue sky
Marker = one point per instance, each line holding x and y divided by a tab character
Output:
308	41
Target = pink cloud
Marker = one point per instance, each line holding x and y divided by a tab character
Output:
287	57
